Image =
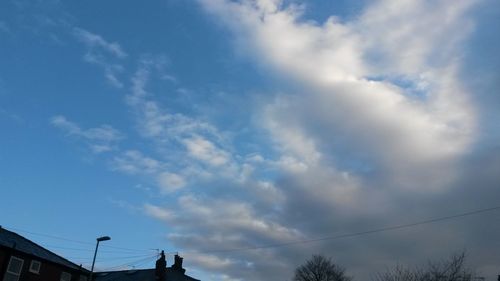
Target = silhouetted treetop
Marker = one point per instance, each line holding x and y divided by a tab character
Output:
320	268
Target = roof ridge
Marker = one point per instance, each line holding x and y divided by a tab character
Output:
40	246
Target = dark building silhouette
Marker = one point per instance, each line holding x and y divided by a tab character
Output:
24	260
160	273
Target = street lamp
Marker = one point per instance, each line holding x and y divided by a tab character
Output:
103	238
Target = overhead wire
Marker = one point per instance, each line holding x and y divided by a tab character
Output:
122	250
141	263
88	249
77	241
128	249
132	263
136	263
296	242
50	236
105	259
354	234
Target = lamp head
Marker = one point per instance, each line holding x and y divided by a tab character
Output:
103	238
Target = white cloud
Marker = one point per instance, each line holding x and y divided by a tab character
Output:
206	151
100	148
416	34
103	133
93	40
100	139
8	114
102	53
381	109
333	61
382	112
170	182
125	205
158	212
134	162
156	122
236	221
291	137
198	149
211	262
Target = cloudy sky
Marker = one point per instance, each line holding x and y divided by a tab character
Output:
235	132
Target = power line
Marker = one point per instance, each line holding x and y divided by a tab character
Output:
354	234
128	249
67	248
89	250
137	262
51	236
104	259
141	263
76	241
132	263
144	258
303	241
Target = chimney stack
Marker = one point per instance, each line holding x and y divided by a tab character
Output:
161	267
178	264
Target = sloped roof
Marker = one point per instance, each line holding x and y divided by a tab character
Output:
11	239
141	275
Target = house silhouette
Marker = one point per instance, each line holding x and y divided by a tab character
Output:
23	260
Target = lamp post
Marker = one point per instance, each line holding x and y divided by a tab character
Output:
103	238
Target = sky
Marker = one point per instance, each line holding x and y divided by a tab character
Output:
239	134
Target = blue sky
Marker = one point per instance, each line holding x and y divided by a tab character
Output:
208	125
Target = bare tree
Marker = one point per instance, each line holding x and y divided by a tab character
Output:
453	269
320	268
399	273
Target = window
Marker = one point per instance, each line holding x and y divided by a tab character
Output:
14	269
35	266
65	276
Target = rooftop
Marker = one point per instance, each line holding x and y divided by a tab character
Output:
141	274
15	241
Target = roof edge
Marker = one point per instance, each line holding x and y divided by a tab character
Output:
2	228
